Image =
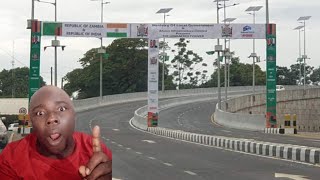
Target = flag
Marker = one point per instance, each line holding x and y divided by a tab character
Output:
52	29
117	30
36	26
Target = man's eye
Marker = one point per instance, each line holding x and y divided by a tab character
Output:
62	109
40	113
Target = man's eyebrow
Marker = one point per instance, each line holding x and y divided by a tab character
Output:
61	102
40	105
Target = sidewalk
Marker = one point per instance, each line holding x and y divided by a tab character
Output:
310	135
15	137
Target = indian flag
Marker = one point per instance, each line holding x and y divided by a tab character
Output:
117	30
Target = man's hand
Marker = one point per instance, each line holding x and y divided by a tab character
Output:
99	165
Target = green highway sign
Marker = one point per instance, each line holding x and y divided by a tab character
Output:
34	73
271	98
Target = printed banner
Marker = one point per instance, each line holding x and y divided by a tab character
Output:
208	31
271	121
34	72
153	77
156	31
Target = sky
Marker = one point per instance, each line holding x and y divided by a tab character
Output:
15	38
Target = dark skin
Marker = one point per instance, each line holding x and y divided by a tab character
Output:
53	119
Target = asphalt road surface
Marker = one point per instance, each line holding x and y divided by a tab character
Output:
196	117
138	155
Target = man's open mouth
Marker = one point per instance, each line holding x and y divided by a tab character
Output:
55	136
54	139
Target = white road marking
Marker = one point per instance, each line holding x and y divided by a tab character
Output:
116	129
290	176
148	141
128	148
168	164
116	179
139	152
191	173
119	145
314	140
113	142
226	131
216	147
153	158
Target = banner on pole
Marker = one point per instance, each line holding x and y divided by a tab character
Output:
153	77
34	72
156	31
271	121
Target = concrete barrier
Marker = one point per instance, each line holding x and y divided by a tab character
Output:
244	113
253	122
90	103
281	151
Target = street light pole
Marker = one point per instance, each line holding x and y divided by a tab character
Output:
253	9
218	43
54	43
304	56
163	11
229	20
101	51
55	49
32	10
299	57
225	58
267	12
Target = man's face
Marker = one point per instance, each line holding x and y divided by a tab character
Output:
53	119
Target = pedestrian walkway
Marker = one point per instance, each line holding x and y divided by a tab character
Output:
311	135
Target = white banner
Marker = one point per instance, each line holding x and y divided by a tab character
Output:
153	75
156	31
83	29
208	31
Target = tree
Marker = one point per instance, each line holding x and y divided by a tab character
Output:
19	82
290	76
240	74
315	76
124	71
185	63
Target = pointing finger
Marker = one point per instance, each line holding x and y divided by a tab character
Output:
96	139
82	171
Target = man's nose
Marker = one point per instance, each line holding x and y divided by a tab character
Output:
52	119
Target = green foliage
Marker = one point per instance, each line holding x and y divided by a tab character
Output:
184	64
240	74
124	71
20	82
290	76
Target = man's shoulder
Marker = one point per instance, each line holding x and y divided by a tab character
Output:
21	145
81	136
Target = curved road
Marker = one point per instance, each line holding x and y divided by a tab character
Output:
196	117
138	155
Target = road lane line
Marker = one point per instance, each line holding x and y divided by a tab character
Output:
168	164
191	173
149	141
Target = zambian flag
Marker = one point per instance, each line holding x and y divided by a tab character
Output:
117	30
52	29
36	26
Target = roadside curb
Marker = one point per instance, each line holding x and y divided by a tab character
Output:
10	138
281	151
